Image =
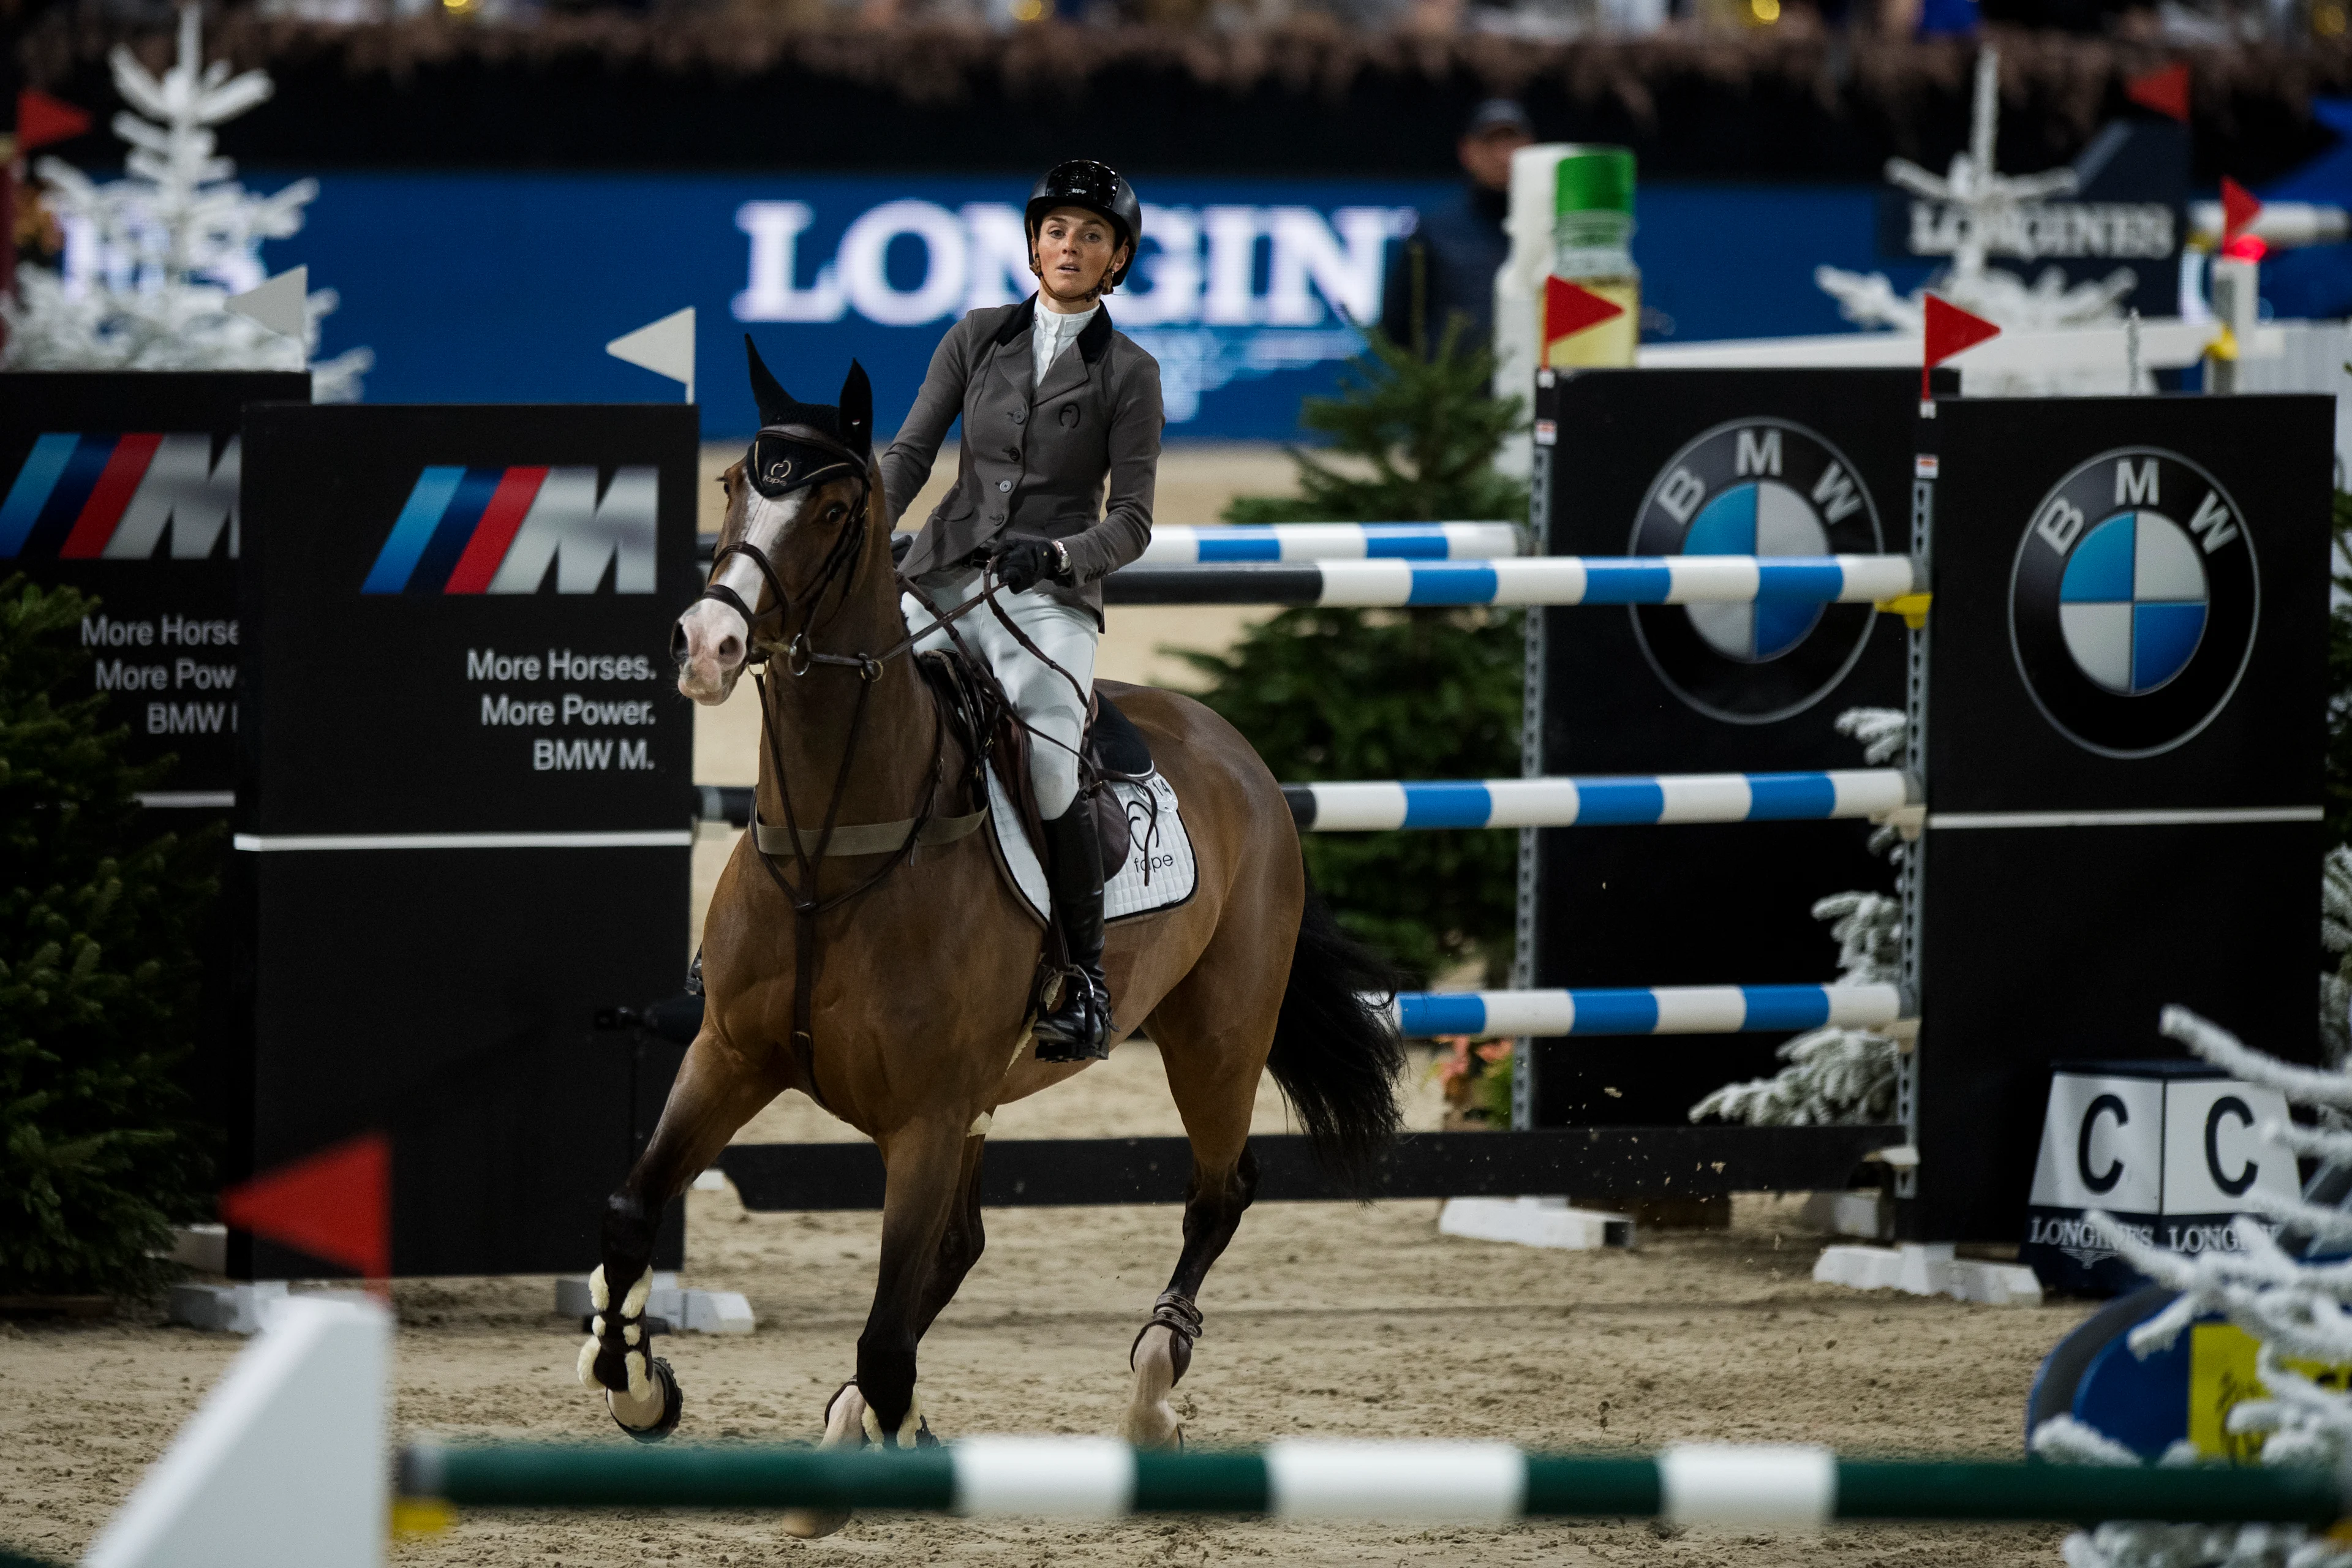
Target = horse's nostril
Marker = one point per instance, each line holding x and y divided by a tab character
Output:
729	648
678	642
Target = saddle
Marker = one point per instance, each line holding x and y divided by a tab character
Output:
1112	751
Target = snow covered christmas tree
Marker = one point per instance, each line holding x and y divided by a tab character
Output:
151	259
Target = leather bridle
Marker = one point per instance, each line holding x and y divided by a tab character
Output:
840	563
840	558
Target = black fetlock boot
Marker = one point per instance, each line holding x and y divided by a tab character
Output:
1078	1027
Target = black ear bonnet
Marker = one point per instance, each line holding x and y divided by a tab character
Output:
802	444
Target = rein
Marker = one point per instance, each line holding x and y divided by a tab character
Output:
800	657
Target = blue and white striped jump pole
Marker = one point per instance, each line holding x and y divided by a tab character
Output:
1382	804
1530	580
1183	544
1646	1010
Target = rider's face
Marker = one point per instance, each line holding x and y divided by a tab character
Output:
1075	252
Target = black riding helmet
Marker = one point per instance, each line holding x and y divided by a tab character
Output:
1099	188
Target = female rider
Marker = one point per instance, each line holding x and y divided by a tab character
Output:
1053	401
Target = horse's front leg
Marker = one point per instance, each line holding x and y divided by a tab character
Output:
718	1088
926	1164
849	1421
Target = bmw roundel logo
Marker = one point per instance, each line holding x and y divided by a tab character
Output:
1755	487
2133	602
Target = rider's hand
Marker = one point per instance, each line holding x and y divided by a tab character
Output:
1026	563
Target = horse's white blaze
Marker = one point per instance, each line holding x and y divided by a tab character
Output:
715	632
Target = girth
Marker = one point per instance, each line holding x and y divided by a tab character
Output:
870	837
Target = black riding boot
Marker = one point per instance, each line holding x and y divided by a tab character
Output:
1079	1029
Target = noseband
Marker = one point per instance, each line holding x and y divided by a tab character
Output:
784	458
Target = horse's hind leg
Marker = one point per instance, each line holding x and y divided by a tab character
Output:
1213	1064
718	1090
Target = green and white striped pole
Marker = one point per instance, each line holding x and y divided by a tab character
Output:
1759	1486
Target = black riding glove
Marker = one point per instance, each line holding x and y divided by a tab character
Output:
1026	563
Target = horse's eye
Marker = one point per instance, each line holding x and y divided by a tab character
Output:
837	513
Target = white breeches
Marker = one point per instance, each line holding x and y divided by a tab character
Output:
1046	702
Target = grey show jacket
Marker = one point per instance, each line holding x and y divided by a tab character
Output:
1032	463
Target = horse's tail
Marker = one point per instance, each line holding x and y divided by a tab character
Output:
1336	1054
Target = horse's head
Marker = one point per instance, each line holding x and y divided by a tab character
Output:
802	506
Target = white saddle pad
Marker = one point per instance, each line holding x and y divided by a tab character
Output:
1159	873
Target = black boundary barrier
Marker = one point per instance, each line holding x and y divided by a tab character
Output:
1650	1162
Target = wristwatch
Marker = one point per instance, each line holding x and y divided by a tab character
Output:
1061	560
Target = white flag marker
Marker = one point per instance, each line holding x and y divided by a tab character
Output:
278	303
665	347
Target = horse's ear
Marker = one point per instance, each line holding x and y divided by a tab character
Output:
766	391
858	411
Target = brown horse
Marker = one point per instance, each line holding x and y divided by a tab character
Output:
915	1029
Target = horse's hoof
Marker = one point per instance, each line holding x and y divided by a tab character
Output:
809	1523
1151	1420
665	1401
844	1427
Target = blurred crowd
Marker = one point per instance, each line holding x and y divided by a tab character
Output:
2179	21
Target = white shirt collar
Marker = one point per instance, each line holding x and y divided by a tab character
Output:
1052	332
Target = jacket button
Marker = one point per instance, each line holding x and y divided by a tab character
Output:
1020	417
1012	454
996	517
1003	486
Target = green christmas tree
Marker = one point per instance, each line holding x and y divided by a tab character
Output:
100	1150
1379	694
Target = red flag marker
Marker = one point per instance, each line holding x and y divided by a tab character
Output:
335	1204
2165	92
1950	330
2239	206
41	119
1568	309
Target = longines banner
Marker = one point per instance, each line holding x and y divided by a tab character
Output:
2127	665
2128	209
463	818
1243	291
123	484
1706	462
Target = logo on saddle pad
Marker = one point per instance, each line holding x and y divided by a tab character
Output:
2133	602
498	530
1755	487
116	498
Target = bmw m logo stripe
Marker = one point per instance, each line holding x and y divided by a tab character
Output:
497	530
82	497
